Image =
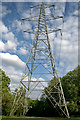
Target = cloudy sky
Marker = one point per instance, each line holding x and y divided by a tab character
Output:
14	48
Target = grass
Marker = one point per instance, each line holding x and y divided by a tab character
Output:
37	118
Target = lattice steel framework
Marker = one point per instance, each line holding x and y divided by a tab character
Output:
41	64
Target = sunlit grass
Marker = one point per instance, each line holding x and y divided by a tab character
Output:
38	118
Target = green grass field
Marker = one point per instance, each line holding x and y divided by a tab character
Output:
38	118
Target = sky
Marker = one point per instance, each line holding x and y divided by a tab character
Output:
14	48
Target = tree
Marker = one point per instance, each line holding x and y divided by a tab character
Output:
6	94
71	86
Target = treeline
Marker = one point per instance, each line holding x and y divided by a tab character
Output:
43	107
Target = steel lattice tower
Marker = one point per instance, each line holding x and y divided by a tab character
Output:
41	64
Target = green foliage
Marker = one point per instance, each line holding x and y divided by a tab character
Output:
7	97
71	86
43	107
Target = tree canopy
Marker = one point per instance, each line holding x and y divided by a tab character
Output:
71	86
7	97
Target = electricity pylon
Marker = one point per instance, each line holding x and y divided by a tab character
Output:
40	67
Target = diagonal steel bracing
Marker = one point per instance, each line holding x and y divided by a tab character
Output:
41	64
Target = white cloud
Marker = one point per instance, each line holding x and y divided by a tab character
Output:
3	28
64	42
69	45
11	45
26	36
47	11
22	26
23	51
11	41
36	88
26	14
5	11
0	10
17	25
61	64
11	60
2	46
26	25
14	75
69	26
75	12
9	37
13	67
